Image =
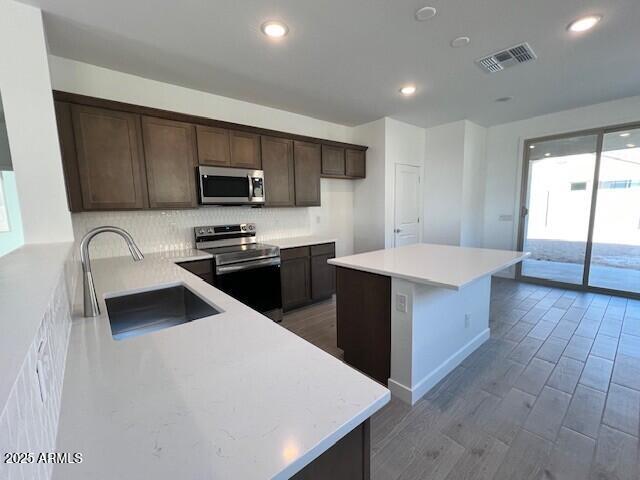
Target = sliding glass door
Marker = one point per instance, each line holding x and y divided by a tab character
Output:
581	210
615	255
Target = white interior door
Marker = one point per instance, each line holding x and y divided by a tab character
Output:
407	205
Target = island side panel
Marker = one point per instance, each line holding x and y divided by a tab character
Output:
439	329
348	459
364	321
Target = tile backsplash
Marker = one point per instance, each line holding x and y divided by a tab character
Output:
29	420
156	231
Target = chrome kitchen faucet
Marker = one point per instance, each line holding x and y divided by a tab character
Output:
91	308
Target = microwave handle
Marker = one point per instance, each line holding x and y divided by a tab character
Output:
250	179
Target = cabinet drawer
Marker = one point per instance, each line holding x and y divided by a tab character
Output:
290	253
323	249
202	268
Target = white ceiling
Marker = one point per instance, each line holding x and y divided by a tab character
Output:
344	60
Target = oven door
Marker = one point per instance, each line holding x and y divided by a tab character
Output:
255	283
230	186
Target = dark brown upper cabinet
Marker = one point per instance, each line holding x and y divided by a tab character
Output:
110	163
333	161
307	166
245	150
69	157
355	163
170	159
213	146
110	159
277	163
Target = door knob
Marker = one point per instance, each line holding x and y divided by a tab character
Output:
396	230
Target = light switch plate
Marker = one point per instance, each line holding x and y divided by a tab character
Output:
401	302
505	218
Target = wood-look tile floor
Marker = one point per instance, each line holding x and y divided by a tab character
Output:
553	394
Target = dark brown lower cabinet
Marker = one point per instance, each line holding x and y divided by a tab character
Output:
306	276
363	308
295	277
348	459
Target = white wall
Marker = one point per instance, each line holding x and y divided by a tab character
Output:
443	173
369	195
83	78
404	144
334	217
504	159
454	184
473	184
31	125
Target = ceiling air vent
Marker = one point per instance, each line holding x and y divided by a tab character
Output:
507	58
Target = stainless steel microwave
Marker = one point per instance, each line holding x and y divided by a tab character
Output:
230	186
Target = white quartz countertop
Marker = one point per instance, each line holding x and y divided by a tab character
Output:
300	241
179	256
437	265
231	396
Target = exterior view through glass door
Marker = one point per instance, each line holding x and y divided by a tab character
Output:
615	256
559	186
581	210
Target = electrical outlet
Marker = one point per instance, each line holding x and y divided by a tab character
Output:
401	302
42	370
467	320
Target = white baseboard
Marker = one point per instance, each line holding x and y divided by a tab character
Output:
412	395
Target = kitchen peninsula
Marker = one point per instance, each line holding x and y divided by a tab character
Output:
232	395
408	316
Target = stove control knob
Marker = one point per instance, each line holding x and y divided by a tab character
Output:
210	230
201	231
252	228
243	228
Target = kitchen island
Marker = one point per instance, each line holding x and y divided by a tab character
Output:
408	316
228	396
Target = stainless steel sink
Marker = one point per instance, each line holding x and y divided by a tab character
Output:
146	312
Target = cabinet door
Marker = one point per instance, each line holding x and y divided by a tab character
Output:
170	158
307	163
69	157
213	146
295	280
245	150
355	163
277	163
110	159
323	277
332	160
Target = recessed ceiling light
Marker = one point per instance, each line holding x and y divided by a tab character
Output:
547	154
625	134
504	99
425	13
532	147
408	90
585	23
460	42
274	29
631	145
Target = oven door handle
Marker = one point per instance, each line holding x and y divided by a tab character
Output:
250	179
250	265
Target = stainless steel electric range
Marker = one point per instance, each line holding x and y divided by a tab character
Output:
246	270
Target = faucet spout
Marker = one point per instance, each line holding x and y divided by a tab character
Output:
91	307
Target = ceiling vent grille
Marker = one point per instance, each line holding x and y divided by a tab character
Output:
507	58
